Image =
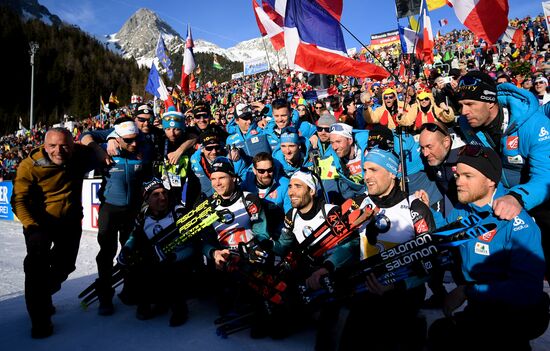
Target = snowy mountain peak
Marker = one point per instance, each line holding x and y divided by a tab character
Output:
31	9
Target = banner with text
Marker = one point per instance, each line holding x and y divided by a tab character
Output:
255	66
384	39
6	189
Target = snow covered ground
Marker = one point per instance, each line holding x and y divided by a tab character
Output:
79	330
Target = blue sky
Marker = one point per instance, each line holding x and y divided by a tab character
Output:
227	22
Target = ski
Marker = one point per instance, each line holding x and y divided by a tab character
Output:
233	325
90	299
415	257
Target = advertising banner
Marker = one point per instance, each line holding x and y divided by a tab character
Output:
6	189
255	66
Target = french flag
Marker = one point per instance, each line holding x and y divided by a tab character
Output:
314	41
188	62
425	43
443	22
320	93
487	19
270	23
513	35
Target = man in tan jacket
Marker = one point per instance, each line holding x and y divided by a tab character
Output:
47	200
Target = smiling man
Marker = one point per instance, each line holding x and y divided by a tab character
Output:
503	269
47	199
508	120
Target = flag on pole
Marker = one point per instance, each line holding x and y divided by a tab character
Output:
102	104
513	35
320	93
163	58
314	41
188	62
409	38
443	22
113	99
270	23
155	85
487	19
435	4
546	9
216	64
425	43
413	23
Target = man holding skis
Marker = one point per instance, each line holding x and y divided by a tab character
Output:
503	269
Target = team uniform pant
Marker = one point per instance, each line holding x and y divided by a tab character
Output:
114	225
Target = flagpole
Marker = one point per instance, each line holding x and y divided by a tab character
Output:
266	54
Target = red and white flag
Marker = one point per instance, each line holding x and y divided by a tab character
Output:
513	35
188	62
425	44
487	19
270	23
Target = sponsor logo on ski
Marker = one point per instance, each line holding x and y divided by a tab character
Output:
519	224
414	256
482	249
512	142
406	246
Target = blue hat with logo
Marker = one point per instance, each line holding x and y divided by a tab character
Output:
383	158
173	119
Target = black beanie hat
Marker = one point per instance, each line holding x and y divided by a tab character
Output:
477	85
484	159
223	164
150	186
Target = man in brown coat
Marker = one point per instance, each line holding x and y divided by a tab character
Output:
47	199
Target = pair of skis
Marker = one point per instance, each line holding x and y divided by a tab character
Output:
164	243
272	282
414	258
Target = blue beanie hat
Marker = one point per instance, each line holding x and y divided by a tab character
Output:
173	119
290	135
383	158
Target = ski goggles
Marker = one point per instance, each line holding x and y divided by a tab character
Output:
432	127
473	150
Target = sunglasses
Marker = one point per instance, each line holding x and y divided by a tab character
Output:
142	119
432	127
129	140
318	107
539	82
323	129
472	82
212	148
473	151
201	116
263	171
425	99
389	97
